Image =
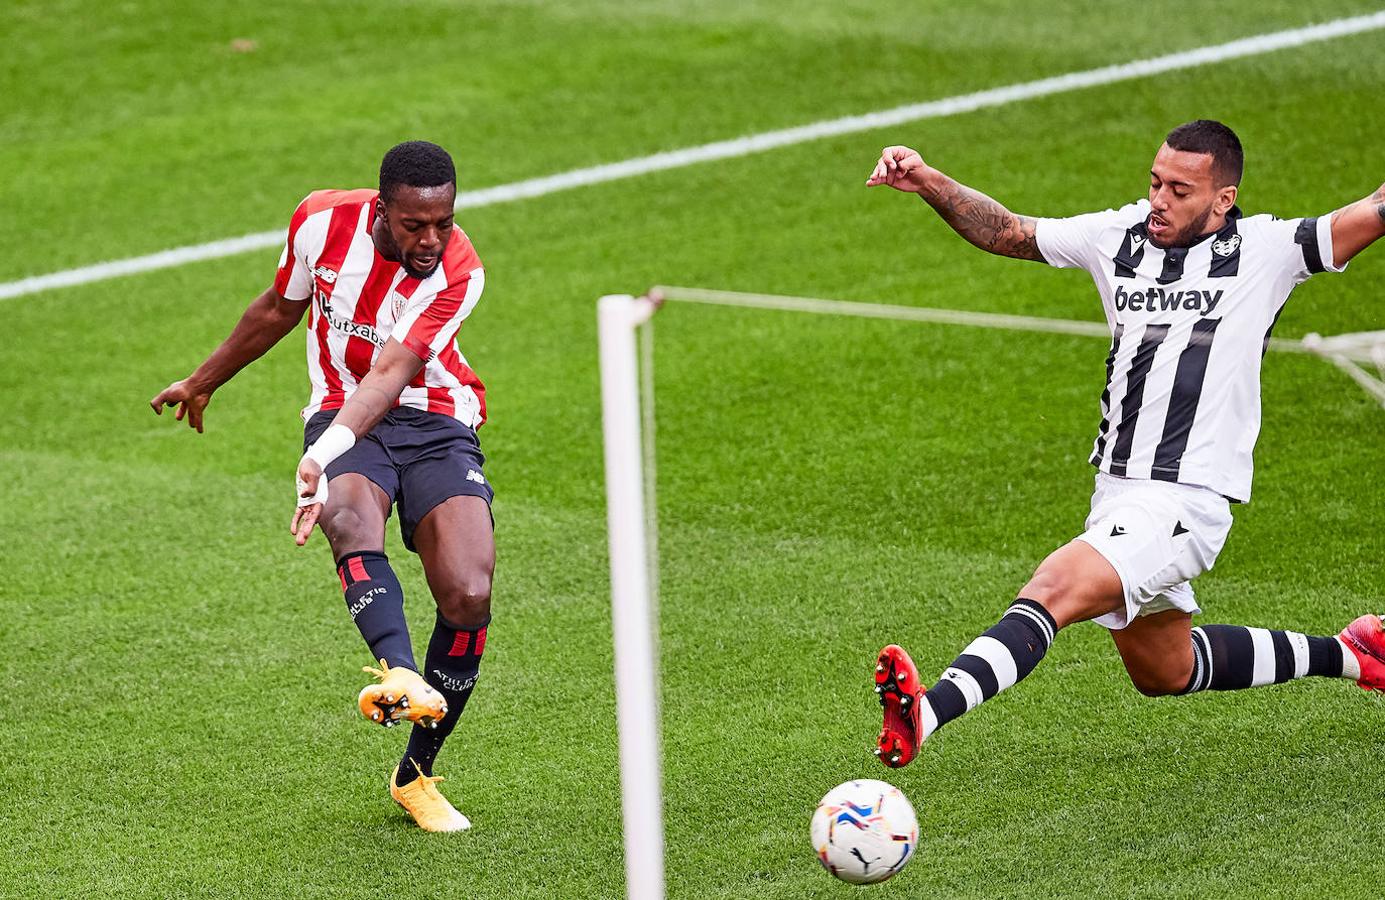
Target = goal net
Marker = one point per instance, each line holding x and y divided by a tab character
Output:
1361	355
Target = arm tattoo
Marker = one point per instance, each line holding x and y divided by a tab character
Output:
984	222
1376	202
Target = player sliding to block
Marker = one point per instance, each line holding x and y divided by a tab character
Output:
1191	291
392	421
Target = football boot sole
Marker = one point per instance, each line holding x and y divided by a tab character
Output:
388	704
900	690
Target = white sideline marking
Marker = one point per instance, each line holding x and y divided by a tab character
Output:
909	313
745	146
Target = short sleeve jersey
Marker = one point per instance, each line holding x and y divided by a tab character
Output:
360	300
1189	326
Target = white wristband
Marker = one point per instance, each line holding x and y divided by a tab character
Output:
335	441
319	496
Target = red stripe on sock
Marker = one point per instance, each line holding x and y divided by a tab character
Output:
460	643
480	642
357	569
341	573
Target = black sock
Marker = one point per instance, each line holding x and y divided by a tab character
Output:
1231	657
1002	656
451	666
376	603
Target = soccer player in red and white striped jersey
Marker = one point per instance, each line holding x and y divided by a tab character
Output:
361	299
386	279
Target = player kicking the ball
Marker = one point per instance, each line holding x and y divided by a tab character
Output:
392	421
1191	291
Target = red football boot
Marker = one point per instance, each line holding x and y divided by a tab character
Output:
1366	638
901	694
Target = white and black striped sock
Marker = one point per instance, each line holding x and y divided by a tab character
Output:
1232	657
1002	656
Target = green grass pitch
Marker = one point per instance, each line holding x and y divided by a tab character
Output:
180	679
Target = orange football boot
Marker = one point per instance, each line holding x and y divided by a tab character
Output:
422	800
401	694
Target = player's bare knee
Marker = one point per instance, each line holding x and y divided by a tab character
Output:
468	601
1045	587
1051	588
1162	683
348	531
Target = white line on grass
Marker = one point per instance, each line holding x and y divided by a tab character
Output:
914	314
745	146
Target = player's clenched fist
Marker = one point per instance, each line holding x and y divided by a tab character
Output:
901	168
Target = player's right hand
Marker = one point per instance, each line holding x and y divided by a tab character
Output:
191	399
304	518
311	484
901	168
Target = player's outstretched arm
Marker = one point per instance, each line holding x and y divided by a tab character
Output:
265	322
395	367
1356	227
976	217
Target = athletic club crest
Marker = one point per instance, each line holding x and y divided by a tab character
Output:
397	302
1228	246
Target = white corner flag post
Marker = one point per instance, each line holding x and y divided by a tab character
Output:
637	711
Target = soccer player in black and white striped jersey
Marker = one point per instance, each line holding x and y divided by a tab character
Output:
1191	289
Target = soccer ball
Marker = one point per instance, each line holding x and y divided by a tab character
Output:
864	831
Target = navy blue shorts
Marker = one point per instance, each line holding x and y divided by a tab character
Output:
419	459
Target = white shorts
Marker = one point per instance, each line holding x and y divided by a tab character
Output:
1158	535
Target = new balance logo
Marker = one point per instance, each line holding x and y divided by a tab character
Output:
473	475
326	274
1117	530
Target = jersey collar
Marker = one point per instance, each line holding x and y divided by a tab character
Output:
1224	232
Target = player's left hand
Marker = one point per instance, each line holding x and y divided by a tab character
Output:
902	168
312	496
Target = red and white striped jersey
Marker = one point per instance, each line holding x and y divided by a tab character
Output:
360	300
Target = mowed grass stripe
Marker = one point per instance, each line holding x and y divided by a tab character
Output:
542	89
727	714
826	486
772	588
737	147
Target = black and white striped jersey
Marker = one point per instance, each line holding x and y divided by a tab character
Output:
1189	326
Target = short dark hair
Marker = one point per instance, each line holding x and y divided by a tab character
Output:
415	164
1214	138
